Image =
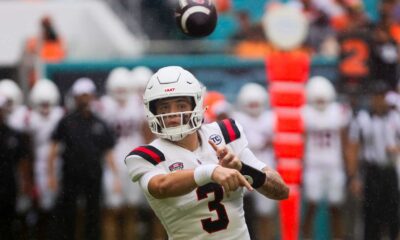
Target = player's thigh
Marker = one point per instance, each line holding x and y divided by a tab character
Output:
46	196
112	198
313	183
336	191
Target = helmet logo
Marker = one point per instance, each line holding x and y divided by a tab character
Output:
169	89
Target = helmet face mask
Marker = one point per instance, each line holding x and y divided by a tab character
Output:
187	124
172	82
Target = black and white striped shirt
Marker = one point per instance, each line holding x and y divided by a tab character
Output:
375	133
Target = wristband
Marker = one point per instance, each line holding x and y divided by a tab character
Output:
255	177
203	174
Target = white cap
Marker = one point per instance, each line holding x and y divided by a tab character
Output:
83	86
3	101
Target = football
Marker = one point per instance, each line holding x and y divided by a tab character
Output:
196	18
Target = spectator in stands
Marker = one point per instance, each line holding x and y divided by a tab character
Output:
321	35
84	140
244	24
254	45
385	56
48	45
354	39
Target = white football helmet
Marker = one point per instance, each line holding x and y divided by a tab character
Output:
140	75
44	92
252	99
117	84
12	92
170	82
320	92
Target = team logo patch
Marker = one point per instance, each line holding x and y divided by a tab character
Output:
176	166
217	139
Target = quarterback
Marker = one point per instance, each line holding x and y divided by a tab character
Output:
194	175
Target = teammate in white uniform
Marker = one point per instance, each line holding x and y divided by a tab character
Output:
191	175
139	76
123	115
324	173
44	117
17	112
258	125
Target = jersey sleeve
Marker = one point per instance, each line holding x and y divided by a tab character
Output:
233	135
235	138
143	160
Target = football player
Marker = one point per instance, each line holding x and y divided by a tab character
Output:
194	174
16	111
123	115
258	124
44	117
139	76
324	173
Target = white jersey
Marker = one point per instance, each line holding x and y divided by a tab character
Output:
259	132
323	135
126	121
40	128
206	212
18	118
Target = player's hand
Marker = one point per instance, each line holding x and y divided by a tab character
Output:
226	157
230	179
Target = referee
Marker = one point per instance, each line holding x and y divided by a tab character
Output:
371	169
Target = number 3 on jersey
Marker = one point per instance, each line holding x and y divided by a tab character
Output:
222	222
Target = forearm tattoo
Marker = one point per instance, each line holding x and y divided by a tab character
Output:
274	186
